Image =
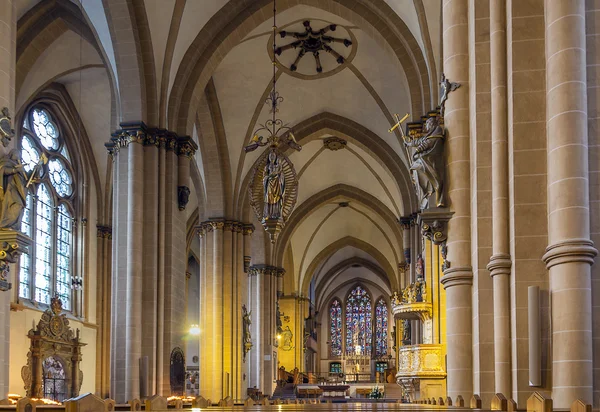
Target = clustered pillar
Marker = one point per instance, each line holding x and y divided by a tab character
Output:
570	252
148	271
223	292
459	278
263	280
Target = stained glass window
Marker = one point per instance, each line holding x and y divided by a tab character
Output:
335	321
45	129
63	256
43	245
358	322
25	265
54	383
335	367
48	218
381	328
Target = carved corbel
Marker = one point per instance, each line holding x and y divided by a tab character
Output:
434	225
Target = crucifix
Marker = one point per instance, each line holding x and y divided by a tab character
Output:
399	123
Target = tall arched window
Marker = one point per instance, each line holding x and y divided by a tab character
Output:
358	322
335	325
48	218
381	328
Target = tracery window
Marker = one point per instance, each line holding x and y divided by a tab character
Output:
335	324
381	328
48	217
358	322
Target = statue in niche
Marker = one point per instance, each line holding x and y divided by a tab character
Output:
393	334
13	193
246	337
274	187
427	152
278	316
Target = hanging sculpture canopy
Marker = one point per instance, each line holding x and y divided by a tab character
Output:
273	190
273	187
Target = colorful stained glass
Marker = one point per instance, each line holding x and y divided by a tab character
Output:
381	328
335	322
359	333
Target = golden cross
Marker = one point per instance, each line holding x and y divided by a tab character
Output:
399	123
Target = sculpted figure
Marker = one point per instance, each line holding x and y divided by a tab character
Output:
274	187
406	332
13	192
427	157
246	337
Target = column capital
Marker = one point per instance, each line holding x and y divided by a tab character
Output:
138	132
225	225
457	277
104	232
500	264
12	244
570	251
266	270
406	222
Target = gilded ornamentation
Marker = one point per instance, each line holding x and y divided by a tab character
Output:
421	361
246	337
273	190
334	143
433	225
53	337
6	130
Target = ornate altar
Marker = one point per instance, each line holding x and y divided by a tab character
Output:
52	369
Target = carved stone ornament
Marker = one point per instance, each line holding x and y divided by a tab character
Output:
139	133
334	143
6	130
434	225
273	190
183	196
266	270
53	338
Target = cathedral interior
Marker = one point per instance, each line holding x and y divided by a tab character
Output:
229	203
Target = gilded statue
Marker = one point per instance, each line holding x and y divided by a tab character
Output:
13	192
427	152
246	337
274	187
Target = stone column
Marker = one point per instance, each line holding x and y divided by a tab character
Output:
570	252
263	303
458	279
146	315
8	41
500	262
